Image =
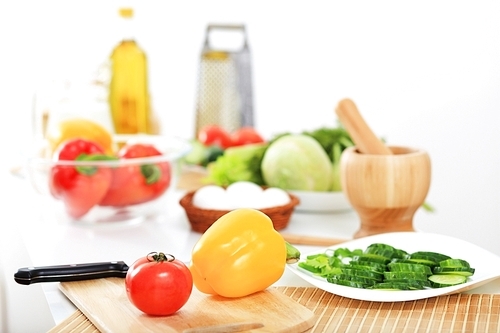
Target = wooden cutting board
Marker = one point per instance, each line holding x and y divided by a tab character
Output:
458	313
104	302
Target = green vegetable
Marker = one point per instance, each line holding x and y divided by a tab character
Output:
333	141
324	264
383	267
297	162
240	163
439	281
202	155
329	138
466	271
401	285
431	256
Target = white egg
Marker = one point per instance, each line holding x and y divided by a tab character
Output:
211	197
273	197
244	194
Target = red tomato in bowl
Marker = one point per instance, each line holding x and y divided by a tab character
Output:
158	284
135	184
215	135
246	135
80	187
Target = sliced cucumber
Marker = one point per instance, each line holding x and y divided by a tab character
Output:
347	283
380	249
385	250
372	258
405	276
428	255
381	266
454	263
429	263
395	286
406	267
446	280
363	273
368	265
358	279
465	271
416	283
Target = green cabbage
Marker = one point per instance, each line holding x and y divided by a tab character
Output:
240	163
297	162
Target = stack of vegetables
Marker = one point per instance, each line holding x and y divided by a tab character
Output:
307	161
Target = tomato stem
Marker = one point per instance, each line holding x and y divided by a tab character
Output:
90	170
151	173
160	257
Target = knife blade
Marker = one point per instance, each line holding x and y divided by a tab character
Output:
74	272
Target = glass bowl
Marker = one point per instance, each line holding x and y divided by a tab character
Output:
111	191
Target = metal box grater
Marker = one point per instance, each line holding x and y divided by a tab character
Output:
224	94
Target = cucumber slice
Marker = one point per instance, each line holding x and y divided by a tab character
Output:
421	284
426	262
428	255
454	263
385	250
358	279
446	280
405	276
372	258
363	273
406	267
465	271
368	265
348	283
400	254
395	286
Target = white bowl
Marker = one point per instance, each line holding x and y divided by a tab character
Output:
321	202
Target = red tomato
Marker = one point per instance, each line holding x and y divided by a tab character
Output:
72	149
83	187
138	150
246	135
158	284
214	135
135	184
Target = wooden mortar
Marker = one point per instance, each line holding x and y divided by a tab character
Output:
385	190
385	185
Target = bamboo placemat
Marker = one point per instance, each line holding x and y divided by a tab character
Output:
468	313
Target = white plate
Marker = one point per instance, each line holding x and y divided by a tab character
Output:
486	264
321	202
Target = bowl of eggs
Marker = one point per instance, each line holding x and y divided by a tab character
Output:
207	204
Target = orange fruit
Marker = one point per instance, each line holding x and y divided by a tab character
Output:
80	128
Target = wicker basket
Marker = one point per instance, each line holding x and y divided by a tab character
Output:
201	219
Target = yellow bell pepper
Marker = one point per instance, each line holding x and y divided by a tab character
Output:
240	254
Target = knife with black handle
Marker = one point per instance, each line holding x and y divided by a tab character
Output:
76	272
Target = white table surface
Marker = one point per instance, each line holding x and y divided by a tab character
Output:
29	238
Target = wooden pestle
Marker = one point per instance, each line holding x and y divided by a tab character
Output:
363	137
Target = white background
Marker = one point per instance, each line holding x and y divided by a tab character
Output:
423	73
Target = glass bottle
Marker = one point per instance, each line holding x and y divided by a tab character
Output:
128	90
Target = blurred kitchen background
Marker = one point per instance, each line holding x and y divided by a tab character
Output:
423	73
